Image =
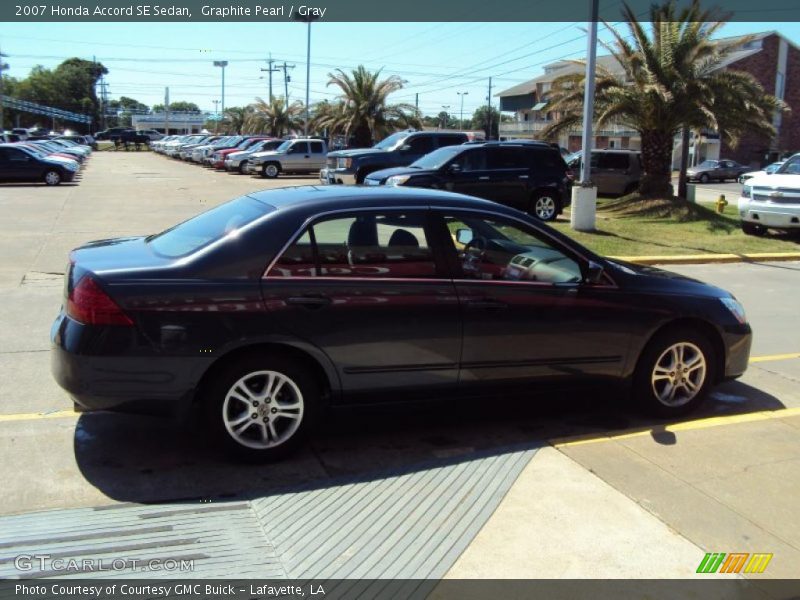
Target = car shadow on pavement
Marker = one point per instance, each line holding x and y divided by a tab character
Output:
149	460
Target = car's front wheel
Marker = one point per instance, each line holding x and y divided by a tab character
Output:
753	229
260	408
52	177
242	167
704	178
271	170
545	207
674	373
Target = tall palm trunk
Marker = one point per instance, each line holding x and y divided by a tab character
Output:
362	136
656	163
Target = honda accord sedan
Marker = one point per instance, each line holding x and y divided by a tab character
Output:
269	309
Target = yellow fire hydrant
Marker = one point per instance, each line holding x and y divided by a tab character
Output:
721	203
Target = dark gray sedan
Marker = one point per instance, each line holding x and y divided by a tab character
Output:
719	170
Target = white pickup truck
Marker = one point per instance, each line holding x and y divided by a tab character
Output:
772	201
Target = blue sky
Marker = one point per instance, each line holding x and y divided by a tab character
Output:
438	60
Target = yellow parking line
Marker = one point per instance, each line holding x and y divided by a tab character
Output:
59	414
684	426
769	357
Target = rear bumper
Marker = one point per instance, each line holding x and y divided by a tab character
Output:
155	384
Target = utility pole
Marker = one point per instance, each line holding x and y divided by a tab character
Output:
286	79
166	111
461	117
103	97
489	113
270	70
307	19
584	195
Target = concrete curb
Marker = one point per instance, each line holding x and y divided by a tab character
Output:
699	259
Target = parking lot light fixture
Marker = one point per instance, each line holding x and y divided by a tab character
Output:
222	64
307	18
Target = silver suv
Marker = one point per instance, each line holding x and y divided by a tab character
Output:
302	155
614	172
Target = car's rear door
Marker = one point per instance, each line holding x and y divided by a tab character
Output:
318	155
366	288
527	314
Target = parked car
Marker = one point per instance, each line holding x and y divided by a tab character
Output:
718	170
217	158
21	132
768	170
238	161
53	152
228	143
282	303
398	150
614	172
152	134
78	139
772	201
300	155
111	133
20	163
529	176
199	152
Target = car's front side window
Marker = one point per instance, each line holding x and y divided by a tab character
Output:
385	245
495	249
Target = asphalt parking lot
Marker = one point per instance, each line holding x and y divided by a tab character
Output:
725	480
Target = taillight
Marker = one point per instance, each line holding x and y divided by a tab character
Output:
89	304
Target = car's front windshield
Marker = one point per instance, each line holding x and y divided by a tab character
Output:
790	167
200	231
773	167
284	146
392	140
437	158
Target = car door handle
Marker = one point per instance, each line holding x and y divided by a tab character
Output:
484	178
307	156
523	176
486	304
309	301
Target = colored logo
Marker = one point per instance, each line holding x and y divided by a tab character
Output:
735	562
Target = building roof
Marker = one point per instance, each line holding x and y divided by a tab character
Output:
608	62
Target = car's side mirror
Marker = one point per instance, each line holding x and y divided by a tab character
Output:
594	273
454	168
405	148
463	236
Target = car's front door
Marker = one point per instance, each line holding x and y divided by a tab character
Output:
16	165
469	174
528	313
297	157
367	289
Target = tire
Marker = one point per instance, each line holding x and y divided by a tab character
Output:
545	206
271	170
674	373
704	178
242	167
753	229
227	414
52	177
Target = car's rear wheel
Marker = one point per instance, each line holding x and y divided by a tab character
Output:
674	373
261	407
271	170
753	229
545	207
52	177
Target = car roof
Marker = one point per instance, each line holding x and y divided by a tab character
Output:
313	199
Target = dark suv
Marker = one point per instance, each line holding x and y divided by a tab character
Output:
529	176
397	150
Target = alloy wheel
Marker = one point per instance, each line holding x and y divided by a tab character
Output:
263	410
52	178
545	208
679	374
271	171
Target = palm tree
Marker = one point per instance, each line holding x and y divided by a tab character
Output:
332	117
274	117
369	116
673	78
236	117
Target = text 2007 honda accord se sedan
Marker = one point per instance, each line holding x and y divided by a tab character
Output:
267	309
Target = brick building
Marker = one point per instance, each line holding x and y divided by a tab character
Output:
772	59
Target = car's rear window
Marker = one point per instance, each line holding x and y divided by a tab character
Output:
225	220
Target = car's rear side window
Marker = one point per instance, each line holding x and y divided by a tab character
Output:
208	227
386	245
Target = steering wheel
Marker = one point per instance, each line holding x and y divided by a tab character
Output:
473	254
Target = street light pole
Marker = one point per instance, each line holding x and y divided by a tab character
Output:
307	19
461	120
222	64
3	67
